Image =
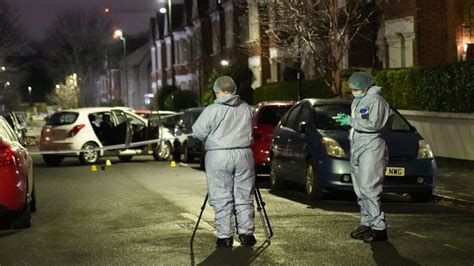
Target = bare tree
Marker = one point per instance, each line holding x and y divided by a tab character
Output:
319	30
76	43
13	66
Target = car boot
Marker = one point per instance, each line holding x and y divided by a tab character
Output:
224	242
375	236
359	232
247	240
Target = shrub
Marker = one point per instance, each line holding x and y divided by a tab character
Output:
288	90
448	88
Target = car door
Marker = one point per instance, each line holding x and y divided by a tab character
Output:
299	143
284	140
122	127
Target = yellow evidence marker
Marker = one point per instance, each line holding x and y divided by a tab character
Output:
94	168
173	164
108	163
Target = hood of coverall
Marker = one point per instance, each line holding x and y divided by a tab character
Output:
375	90
231	100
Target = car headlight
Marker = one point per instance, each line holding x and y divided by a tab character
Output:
424	150
333	148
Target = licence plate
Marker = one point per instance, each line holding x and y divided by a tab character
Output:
395	171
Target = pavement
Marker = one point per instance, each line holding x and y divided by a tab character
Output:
455	182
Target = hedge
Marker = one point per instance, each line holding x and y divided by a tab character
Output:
288	90
447	88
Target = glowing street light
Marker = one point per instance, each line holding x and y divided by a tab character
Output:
4	68
7	83
58	86
224	62
163	10
118	34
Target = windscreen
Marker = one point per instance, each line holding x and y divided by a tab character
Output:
271	115
325	113
62	118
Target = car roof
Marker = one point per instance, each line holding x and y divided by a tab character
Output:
96	109
275	103
315	101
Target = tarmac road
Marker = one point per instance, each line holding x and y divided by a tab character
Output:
143	213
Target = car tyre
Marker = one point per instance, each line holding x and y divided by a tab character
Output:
91	156
22	220
425	196
33	200
53	160
312	187
276	183
163	152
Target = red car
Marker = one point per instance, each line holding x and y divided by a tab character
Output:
266	117
17	193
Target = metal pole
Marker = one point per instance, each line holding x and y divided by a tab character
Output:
126	69
173	81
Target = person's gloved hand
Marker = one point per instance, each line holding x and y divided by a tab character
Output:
343	119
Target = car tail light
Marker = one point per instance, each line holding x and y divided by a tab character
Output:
75	130
6	156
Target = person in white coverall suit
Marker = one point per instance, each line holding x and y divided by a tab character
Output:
226	129
370	121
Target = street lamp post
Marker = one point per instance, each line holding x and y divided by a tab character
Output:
118	34
169	19
29	95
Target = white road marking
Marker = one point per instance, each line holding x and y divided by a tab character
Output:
415	234
453	247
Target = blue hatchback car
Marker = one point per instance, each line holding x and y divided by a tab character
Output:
310	148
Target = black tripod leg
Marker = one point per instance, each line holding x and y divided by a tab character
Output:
199	219
263	214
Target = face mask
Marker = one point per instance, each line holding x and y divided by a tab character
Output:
358	94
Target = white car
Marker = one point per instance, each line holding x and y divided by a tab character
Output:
87	129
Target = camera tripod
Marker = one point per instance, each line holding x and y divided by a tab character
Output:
267	228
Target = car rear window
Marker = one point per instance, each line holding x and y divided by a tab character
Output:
271	115
62	118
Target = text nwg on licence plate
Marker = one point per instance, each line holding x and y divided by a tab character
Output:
395	171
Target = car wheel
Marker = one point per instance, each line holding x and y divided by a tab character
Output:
275	182
312	188
33	200
163	152
126	158
91	155
22	220
52	160
425	196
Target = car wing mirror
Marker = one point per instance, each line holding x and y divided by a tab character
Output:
303	127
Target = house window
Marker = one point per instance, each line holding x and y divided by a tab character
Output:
400	35
254	26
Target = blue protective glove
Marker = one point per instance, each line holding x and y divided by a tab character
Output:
343	119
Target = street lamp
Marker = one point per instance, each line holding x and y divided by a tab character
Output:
169	20
224	63
4	68
118	34
29	95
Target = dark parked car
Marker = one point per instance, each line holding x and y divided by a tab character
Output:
310	148
189	147
16	123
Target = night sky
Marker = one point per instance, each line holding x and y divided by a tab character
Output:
131	15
